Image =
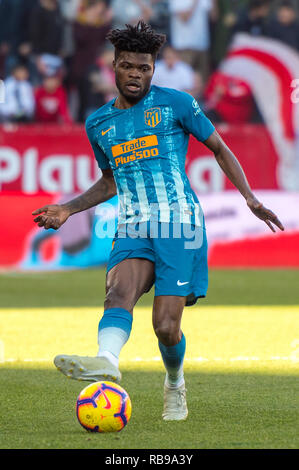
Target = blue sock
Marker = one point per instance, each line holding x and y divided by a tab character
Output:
173	358
113	333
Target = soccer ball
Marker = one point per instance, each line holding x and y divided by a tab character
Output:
103	407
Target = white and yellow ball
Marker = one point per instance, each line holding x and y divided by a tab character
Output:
103	407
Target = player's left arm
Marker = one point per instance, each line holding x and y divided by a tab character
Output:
233	170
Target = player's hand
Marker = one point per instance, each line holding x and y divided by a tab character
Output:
263	213
51	216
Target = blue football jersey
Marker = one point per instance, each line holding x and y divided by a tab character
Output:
146	147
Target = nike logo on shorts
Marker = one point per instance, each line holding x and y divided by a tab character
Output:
179	283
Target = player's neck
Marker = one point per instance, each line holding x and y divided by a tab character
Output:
122	103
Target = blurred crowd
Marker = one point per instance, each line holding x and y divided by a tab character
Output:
57	64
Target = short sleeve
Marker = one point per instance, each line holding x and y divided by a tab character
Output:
100	156
192	118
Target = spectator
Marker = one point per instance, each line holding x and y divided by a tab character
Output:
51	101
198	89
19	97
190	34
226	19
106	84
100	83
21	48
48	64
172	72
285	27
159	17
253	19
7	10
90	29
130	12
228	99
69	10
46	28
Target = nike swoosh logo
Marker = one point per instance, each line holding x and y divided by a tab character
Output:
108	403
107	130
179	283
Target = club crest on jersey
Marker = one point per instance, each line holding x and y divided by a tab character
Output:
152	117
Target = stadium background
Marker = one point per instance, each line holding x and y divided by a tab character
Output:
244	71
243	80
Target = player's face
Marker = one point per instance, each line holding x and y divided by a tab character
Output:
133	74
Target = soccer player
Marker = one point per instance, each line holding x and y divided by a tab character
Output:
140	141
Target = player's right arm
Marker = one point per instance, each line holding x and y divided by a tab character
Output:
54	215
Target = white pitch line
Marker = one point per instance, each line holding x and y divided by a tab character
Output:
1	351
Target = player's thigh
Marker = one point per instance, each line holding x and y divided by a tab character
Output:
167	316
127	281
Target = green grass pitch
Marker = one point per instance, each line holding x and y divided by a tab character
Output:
241	367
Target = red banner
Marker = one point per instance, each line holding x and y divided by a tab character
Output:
15	214
236	237
46	158
42	164
252	146
59	159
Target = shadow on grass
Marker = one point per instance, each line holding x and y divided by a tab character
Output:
87	288
226	411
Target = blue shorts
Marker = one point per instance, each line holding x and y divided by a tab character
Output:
179	252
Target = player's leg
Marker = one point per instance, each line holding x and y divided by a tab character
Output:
175	262
125	283
167	315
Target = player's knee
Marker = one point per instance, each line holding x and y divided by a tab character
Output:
168	333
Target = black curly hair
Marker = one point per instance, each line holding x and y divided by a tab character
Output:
138	38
